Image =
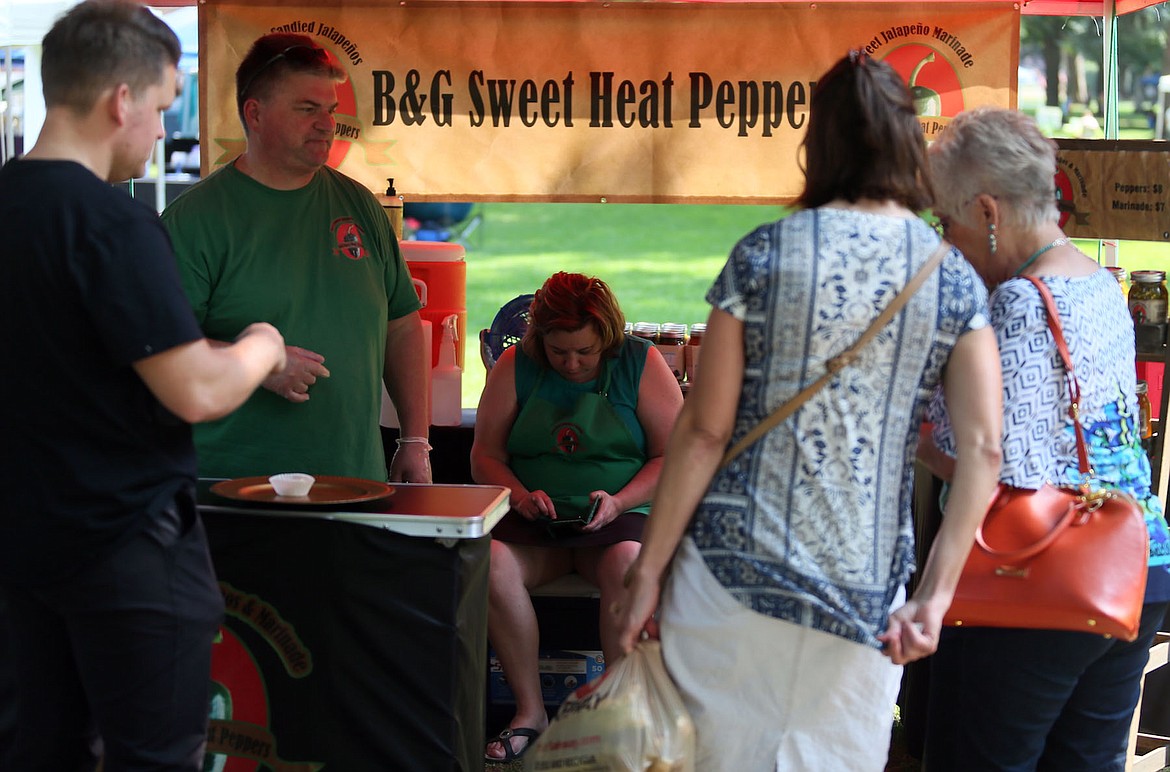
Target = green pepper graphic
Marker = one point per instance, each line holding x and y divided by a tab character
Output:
220	708
927	101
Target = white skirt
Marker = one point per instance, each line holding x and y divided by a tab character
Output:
766	694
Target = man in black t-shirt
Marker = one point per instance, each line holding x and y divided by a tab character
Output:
106	587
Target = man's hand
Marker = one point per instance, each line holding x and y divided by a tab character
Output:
301	370
411	463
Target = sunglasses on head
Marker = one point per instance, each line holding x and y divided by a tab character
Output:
299	53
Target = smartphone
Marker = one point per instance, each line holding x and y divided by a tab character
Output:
588	518
583	519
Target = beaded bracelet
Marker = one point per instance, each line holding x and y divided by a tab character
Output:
415	440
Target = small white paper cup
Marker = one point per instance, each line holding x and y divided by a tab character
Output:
292	484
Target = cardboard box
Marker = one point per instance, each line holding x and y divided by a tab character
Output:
561	672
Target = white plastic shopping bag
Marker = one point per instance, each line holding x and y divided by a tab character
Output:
632	719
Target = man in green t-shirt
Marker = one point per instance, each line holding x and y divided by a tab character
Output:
277	235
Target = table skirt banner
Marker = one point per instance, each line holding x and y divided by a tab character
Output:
346	647
590	102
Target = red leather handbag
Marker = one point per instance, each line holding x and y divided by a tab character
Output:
1057	558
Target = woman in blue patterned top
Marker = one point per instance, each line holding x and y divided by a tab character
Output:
1041	699
783	616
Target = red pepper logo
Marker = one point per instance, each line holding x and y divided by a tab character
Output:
239	734
239	703
1065	198
568	438
349	238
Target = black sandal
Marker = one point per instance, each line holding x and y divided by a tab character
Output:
509	754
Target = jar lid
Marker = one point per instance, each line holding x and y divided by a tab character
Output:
1116	270
674	328
1142	387
646	328
432	251
698	327
1148	277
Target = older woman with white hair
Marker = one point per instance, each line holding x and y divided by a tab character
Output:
1024	699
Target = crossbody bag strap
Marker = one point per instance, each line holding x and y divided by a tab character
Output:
1074	386
842	360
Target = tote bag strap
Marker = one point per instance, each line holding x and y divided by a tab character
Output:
842	360
1074	386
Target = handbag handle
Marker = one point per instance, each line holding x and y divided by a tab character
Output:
1076	507
1074	386
842	360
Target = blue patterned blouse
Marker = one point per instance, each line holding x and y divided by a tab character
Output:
1039	443
812	523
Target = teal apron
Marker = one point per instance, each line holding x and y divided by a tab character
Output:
568	452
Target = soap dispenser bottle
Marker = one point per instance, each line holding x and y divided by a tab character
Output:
393	204
447	380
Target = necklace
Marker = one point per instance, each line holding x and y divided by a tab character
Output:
1060	242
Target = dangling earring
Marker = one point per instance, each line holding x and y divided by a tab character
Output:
992	244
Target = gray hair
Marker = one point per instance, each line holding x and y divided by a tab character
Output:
1001	153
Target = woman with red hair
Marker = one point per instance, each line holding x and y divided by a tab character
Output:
573	420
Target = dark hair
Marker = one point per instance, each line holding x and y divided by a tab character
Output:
864	139
101	44
568	302
273	56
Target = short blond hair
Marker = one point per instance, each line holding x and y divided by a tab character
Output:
1001	153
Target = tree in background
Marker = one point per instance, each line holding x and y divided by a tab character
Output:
1072	47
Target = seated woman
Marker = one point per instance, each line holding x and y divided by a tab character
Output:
577	414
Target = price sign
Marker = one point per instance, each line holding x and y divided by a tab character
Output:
1114	189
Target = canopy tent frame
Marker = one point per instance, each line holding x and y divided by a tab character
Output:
1029	7
22	24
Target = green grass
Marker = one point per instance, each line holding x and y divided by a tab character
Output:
658	258
1131	124
1134	255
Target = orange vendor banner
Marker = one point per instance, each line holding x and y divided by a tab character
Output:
1114	189
601	102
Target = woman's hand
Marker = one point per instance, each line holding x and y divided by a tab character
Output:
633	611
607	511
535	505
912	634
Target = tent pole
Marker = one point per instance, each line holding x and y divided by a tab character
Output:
1109	248
8	127
1109	68
160	176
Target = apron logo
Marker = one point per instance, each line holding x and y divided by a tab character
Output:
349	238
568	438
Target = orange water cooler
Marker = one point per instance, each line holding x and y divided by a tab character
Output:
441	266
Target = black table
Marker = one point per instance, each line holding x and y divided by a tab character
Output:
355	637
